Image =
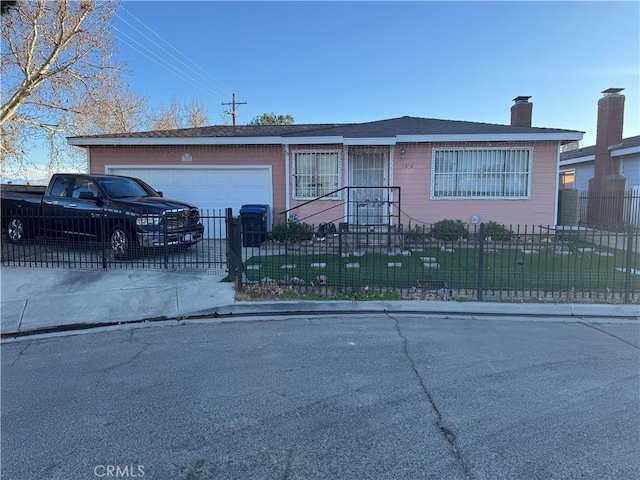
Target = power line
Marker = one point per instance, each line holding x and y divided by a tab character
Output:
207	73
158	60
200	71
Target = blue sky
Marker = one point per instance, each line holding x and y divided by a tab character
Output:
326	62
364	61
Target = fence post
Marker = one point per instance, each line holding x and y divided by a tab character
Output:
628	264
341	266
104	238
234	244
165	246
481	263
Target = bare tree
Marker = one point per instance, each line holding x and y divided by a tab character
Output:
56	66
179	114
196	115
5	5
116	110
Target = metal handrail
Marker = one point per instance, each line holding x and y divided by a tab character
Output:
313	200
347	200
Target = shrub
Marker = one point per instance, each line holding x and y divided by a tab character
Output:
292	231
417	234
449	230
497	232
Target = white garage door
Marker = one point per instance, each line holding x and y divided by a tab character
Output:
209	188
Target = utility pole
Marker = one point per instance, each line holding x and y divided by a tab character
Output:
233	104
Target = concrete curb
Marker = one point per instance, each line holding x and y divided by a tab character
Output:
41	301
630	312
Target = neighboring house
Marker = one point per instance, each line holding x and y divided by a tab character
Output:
577	166
593	179
444	169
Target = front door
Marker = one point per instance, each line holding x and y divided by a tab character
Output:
369	171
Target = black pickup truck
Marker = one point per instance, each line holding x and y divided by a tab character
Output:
124	212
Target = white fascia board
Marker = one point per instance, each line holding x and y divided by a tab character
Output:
87	142
557	190
496	137
625	151
370	141
573	161
311	140
148	141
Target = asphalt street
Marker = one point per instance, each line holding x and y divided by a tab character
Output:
382	396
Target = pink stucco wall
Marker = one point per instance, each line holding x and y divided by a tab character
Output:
412	173
202	155
324	210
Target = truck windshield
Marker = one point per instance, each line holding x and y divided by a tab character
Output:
121	187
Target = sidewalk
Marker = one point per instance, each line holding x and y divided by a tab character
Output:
41	299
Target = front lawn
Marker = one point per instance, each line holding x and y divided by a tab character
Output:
503	269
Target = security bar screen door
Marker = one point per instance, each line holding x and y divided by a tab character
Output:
368	167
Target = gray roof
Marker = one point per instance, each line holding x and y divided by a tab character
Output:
423	126
626	143
378	129
591	150
221	131
578	153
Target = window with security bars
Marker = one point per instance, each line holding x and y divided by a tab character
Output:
315	174
503	173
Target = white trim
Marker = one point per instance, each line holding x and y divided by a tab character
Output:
557	192
338	152
81	142
311	140
345	214
276	140
573	161
269	168
181	166
88	160
287	181
474	197
390	165
369	141
492	137
624	151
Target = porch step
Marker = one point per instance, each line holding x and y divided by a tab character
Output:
371	236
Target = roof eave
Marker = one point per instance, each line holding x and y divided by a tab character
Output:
624	151
491	137
573	161
312	140
148	141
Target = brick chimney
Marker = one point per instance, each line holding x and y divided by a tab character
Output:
605	207
606	172
521	112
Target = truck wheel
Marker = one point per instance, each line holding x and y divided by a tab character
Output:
16	230
121	242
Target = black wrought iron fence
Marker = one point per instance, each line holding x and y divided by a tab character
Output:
610	210
444	260
179	241
452	260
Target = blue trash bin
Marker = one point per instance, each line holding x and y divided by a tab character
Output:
254	224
